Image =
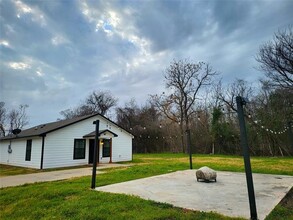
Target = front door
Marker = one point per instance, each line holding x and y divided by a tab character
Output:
91	151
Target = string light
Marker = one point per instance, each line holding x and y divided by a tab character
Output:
256	122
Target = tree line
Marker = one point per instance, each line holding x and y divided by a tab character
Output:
198	112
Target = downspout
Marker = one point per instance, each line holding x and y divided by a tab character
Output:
42	152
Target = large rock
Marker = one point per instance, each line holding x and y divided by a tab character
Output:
206	174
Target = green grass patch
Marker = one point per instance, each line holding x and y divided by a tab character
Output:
267	165
7	170
73	198
284	210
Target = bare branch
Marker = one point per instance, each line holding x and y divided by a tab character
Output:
3	118
237	88
97	102
18	117
276	59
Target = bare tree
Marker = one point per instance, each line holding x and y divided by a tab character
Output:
228	95
184	79
97	102
144	123
171	106
273	108
101	101
3	117
127	115
77	112
18	118
276	59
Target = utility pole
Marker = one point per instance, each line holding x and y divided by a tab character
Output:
243	137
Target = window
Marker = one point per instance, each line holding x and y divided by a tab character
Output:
79	149
28	151
106	148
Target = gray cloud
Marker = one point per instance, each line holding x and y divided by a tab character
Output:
54	53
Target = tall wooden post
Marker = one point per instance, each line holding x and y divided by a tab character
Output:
96	148
243	137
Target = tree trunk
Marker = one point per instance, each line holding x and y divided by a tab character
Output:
182	138
281	151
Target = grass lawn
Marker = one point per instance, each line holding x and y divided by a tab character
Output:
73	199
267	165
6	170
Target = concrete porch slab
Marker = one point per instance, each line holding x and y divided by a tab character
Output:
227	196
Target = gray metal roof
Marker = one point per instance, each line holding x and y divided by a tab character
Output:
43	129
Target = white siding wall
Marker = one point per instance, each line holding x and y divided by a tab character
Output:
17	157
121	145
59	145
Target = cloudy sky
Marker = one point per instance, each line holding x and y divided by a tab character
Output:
54	53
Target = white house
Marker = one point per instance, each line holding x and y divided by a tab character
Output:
67	143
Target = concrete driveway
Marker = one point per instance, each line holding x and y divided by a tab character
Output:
227	196
52	175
